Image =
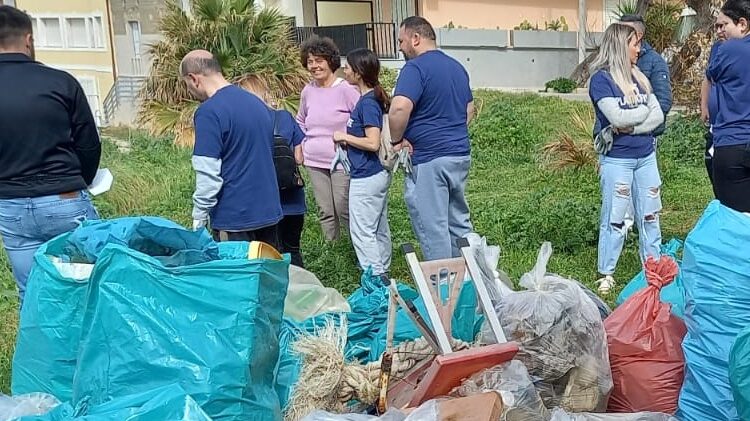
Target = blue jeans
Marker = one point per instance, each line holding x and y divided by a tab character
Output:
27	223
436	200
623	180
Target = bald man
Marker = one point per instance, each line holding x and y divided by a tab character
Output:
236	188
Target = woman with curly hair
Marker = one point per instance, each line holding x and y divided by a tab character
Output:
325	105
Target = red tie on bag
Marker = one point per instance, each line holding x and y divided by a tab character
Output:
645	346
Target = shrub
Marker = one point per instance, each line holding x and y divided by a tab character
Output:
684	141
561	84
526	26
662	20
388	78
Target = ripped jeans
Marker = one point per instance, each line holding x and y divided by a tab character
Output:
623	180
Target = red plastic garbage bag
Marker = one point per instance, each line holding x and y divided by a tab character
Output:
645	346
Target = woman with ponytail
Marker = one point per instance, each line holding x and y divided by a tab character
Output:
628	112
368	188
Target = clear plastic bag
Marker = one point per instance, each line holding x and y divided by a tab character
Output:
307	297
428	411
560	415
521	401
562	338
488	258
12	407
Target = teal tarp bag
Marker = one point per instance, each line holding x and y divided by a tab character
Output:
212	327
49	328
716	275
674	293
368	319
50	324
739	373
169	403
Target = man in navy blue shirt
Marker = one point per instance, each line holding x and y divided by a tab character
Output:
233	157
429	115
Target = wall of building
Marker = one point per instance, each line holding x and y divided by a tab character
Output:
507	14
74	36
499	59
135	24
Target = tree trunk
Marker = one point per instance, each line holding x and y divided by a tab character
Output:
581	74
642	7
705	10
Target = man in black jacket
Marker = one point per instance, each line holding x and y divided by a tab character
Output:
49	148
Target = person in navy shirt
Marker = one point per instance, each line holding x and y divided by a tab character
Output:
708	103
368	188
233	156
292	200
730	74
626	108
429	115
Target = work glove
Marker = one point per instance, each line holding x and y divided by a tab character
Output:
199	224
341	158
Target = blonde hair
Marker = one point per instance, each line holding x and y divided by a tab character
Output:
614	57
258	87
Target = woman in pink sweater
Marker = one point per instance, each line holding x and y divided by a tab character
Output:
325	105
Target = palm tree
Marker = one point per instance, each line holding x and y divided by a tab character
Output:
246	40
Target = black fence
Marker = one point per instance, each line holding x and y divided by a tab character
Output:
378	37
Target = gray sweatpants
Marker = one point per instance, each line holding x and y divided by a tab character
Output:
368	221
435	198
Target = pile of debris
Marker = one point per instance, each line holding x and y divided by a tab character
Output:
229	331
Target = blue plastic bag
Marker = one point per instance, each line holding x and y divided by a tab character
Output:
212	327
169	403
716	275
739	373
50	325
673	293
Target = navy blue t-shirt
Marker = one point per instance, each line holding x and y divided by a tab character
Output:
713	105
624	145
438	85
367	113
249	197
729	72
292	200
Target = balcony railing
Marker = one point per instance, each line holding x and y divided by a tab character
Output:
379	37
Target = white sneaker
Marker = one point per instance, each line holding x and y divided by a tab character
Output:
606	284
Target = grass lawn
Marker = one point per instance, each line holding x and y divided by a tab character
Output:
516	200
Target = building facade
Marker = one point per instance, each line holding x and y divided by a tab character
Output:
75	36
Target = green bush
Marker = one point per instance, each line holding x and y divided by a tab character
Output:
662	20
388	78
562	85
526	26
684	141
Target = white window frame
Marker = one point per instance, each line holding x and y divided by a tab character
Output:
95	37
96	108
